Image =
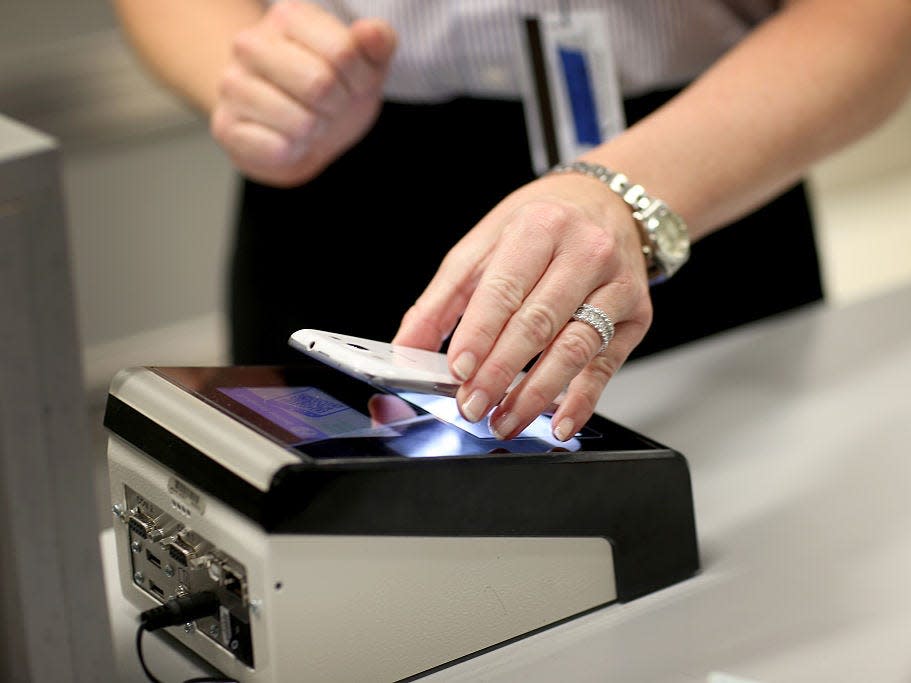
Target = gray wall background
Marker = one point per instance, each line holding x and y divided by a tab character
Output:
148	194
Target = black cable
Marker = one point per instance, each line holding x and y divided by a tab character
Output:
177	611
142	661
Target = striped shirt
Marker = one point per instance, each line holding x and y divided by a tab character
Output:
470	47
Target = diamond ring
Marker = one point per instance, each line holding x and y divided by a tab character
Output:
599	320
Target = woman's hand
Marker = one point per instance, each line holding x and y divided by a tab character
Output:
515	280
300	89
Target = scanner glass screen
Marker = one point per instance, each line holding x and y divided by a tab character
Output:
308	412
322	413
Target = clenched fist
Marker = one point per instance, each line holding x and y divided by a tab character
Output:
300	89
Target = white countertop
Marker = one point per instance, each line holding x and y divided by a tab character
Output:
798	435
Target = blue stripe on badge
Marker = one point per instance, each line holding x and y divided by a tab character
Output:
581	95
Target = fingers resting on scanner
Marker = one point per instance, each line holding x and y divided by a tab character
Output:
555	275
300	88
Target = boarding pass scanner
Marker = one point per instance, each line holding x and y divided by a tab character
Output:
353	534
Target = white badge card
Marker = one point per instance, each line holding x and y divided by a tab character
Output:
571	88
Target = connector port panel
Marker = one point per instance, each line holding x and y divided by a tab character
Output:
169	560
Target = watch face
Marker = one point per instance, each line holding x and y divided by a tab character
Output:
670	240
671	236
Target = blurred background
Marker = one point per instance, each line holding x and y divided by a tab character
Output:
149	198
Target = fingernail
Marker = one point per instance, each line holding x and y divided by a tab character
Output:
464	365
504	425
565	429
476	406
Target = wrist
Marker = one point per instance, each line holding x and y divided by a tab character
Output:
663	233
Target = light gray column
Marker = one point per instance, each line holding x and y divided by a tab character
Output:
53	614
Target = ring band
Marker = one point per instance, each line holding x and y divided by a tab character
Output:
598	319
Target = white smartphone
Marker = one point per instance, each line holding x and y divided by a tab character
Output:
390	366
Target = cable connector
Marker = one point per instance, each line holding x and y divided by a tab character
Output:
180	610
177	611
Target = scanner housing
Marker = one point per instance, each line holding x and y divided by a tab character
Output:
345	545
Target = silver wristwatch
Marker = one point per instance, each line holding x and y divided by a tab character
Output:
665	240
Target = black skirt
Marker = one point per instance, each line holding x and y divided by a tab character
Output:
351	250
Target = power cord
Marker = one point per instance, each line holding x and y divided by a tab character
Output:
177	611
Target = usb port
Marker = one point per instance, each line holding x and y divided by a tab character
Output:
156	590
153	559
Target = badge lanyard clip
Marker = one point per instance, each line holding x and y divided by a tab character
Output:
570	84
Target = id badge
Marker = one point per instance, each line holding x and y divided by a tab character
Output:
570	87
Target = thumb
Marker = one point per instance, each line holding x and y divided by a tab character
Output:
376	39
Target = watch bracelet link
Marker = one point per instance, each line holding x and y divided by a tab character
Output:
636	198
